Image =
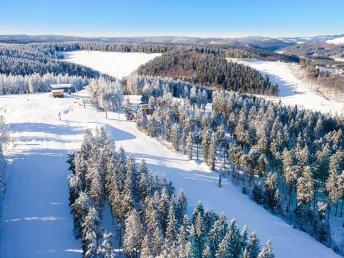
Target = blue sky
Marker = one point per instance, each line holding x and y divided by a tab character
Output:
172	17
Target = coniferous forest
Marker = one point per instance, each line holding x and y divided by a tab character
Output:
209	69
151	220
287	159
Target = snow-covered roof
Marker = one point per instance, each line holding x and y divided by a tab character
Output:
61	86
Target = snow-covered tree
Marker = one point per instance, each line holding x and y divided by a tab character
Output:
134	234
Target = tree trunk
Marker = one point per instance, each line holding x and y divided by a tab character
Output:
196	151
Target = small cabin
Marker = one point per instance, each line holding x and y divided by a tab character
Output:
58	93
145	108
58	90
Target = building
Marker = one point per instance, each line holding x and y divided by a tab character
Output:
145	108
58	93
58	90
67	87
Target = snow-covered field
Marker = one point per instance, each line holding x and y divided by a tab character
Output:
36	219
337	41
293	91
116	64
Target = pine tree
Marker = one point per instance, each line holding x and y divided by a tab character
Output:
205	144
189	145
181	207
175	136
332	186
134	234
267	251
244	238
163	209
105	250
199	237
224	247
171	231
212	152
257	194
214	238
127	108
182	241
271	195
253	246
167	127
193	96
90	232
262	165
151	129
305	187
184	136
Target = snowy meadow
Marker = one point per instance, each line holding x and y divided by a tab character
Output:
293	90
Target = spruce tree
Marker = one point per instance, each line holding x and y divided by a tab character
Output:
205	144
267	251
189	145
212	152
134	234
175	136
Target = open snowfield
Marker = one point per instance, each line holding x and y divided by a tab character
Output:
293	91
36	219
116	64
337	41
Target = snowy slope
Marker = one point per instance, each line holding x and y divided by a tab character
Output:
293	91
112	63
36	219
337	41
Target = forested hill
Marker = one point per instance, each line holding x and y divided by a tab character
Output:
27	59
208	69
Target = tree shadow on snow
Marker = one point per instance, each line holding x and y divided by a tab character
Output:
45	128
117	134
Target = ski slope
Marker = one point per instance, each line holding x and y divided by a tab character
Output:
293	91
36	219
116	64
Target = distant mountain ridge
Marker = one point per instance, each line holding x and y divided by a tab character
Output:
267	43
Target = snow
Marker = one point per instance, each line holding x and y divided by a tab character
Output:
116	64
338	59
336	41
36	219
293	91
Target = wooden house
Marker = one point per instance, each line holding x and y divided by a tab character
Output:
58	90
58	93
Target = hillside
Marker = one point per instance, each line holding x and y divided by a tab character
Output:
210	70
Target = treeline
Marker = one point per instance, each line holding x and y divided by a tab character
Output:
4	139
260	54
148	86
106	93
153	220
115	47
41	58
18	84
294	157
229	50
198	67
327	80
